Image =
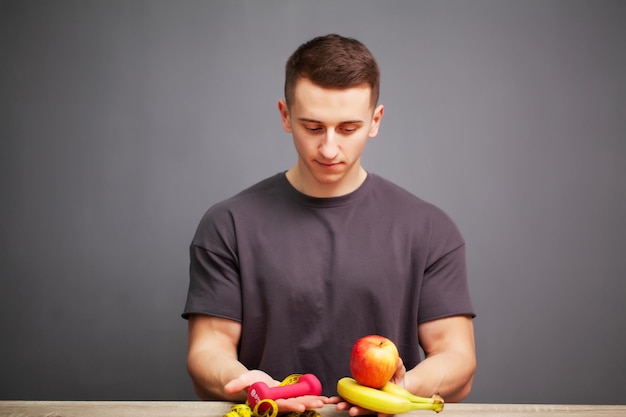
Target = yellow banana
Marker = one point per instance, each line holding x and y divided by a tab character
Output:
394	389
382	402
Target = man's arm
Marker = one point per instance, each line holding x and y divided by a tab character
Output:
450	362
217	373
212	356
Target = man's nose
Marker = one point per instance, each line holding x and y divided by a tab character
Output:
328	147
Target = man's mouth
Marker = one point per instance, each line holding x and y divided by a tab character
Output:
329	164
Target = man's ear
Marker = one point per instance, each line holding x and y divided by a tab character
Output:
376	118
284	115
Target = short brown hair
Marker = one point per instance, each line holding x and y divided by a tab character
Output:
332	61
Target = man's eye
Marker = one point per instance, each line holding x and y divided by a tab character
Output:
313	129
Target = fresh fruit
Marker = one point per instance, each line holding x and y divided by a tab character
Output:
383	402
397	390
373	360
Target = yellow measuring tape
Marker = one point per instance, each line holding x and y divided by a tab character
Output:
244	410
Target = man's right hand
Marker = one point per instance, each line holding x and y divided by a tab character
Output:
246	379
296	404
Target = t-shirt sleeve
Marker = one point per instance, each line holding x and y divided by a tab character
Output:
214	283
445	290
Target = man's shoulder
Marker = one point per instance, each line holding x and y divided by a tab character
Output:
392	190
402	201
272	184
253	195
249	203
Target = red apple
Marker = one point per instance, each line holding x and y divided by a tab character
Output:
373	360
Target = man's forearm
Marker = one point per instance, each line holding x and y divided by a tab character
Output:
449	374
210	372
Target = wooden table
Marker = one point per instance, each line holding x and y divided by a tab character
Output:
218	409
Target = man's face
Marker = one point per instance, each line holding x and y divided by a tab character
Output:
330	128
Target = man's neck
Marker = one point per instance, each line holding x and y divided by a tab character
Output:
302	181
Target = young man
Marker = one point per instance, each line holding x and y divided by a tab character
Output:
289	273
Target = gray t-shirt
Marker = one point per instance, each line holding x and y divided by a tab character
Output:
307	276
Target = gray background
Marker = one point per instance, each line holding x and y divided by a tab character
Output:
123	121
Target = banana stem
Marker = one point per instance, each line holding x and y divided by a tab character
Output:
434	403
437	402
